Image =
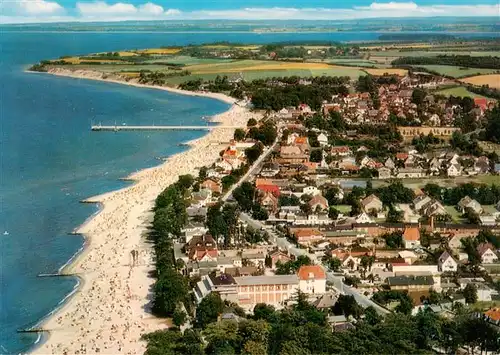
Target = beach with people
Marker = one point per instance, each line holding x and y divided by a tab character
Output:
110	310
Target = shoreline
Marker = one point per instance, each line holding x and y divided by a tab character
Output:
108	312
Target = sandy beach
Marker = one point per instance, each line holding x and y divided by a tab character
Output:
109	312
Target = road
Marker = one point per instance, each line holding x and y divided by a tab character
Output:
252	169
283	243
336	280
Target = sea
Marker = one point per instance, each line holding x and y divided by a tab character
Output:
50	159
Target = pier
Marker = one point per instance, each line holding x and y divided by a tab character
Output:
117	128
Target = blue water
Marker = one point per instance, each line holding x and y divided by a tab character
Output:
50	159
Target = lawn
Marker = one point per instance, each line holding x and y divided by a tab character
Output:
457	72
493	80
343	208
458	91
489	179
456	216
490	209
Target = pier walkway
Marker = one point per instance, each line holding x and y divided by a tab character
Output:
160	128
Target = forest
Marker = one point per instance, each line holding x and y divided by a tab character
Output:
487	62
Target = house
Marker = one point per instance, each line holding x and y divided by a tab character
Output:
293	154
410	283
312	279
411	237
202	248
193	229
270	202
256	257
447	263
270	169
468	203
311	190
372	203
363	218
410	173
384	173
486	253
482	165
280	256
322	139
389	163
420	202
318	202
201	198
454	170
455	241
434	208
326	301
271	188
341	151
211	185
307	236
488	220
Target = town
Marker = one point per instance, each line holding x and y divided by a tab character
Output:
371	203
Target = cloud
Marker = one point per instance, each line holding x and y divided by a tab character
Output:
391	6
101	8
31	10
151	8
122	11
375	10
37	7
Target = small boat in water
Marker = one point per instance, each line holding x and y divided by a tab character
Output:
5	233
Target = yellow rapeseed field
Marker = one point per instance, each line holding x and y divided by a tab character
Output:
160	51
127	54
493	80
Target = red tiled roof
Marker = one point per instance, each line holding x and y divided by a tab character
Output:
341	149
493	314
316	271
300	140
411	233
261	181
481	102
275	190
402	156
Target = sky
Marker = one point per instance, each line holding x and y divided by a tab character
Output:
29	11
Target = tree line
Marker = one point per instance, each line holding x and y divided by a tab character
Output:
488	62
302	329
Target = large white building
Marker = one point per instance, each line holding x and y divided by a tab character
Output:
247	291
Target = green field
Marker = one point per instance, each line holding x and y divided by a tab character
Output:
456	216
458	91
343	208
263	74
354	62
489	179
186	60
457	72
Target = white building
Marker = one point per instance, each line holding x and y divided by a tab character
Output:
447	263
487	254
312	279
322	139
